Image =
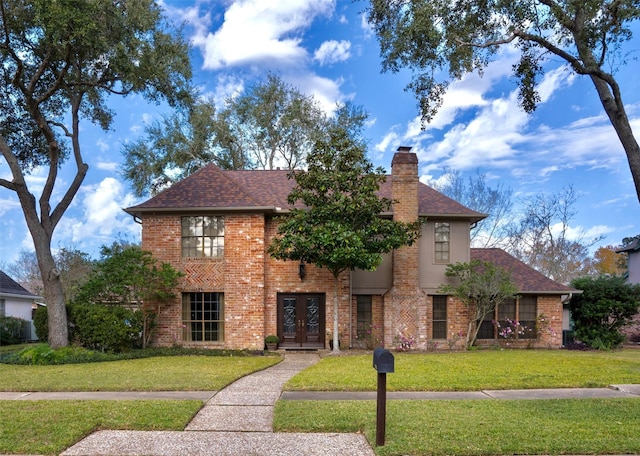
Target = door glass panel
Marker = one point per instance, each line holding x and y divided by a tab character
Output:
313	315
289	315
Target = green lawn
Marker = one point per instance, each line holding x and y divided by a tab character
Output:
475	370
29	427
483	427
162	373
413	427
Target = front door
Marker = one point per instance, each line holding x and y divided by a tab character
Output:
301	320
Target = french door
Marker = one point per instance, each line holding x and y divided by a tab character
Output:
301	320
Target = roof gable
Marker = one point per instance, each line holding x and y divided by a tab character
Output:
526	278
212	188
8	286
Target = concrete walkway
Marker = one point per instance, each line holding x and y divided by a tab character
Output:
238	420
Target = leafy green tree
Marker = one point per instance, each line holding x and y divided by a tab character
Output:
481	286
459	37
131	277
179	145
341	226
272	124
605	305
61	60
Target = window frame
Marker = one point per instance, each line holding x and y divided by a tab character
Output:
202	236
194	325
442	247
442	325
515	313
364	315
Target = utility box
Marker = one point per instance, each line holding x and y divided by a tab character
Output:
383	361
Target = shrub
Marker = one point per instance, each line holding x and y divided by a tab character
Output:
41	322
105	328
10	330
604	307
42	354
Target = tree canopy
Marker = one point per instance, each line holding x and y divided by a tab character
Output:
270	125
436	38
61	61
340	226
541	236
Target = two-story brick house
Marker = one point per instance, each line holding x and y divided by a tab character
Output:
215	227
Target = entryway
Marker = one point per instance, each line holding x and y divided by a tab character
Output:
301	320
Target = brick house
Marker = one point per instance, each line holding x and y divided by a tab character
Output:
215	226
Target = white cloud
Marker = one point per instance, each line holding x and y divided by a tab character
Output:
7	205
326	91
332	51
107	165
101	219
265	32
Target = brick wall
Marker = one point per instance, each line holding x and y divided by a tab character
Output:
282	277
239	275
405	304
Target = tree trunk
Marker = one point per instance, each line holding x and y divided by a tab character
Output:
41	233
618	118
472	333
53	292
336	335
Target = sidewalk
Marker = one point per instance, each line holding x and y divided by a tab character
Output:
238	420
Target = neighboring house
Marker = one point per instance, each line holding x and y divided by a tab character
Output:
633	260
632	330
17	302
215	227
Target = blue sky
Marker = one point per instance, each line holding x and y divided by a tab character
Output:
326	49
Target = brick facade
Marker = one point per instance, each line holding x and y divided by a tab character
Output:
251	281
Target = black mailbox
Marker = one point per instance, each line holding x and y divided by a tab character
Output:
383	361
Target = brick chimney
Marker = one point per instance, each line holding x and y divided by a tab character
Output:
405	304
404	191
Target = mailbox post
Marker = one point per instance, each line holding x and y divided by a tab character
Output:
383	362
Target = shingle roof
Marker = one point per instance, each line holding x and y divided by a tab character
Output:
8	286
528	279
215	189
631	247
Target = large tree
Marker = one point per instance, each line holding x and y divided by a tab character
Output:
61	60
179	144
459	37
541	236
475	193
340	227
271	125
481	286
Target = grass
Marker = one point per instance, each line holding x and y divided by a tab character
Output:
584	426
27	427
484	427
571	426
164	373
474	370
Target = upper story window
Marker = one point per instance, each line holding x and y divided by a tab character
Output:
442	241
203	236
3	309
